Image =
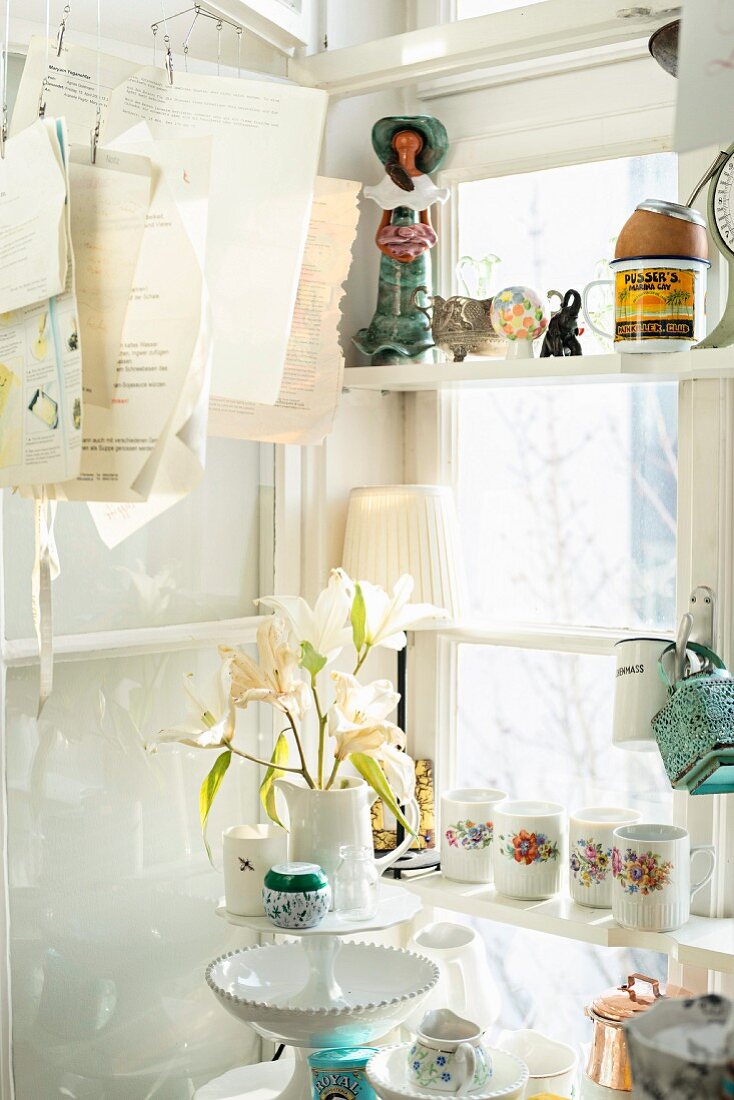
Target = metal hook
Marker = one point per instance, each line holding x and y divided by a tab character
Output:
95	140
62	30
169	58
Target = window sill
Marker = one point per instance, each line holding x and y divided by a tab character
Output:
703	942
682	366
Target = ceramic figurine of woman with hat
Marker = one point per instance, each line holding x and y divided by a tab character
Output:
410	147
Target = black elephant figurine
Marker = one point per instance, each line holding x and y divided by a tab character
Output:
562	335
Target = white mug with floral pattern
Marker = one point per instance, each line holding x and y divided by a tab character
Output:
467	828
529	841
447	1054
590	843
651	865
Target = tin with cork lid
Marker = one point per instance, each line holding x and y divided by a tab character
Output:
659	268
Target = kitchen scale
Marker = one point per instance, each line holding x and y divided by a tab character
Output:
721	227
664	48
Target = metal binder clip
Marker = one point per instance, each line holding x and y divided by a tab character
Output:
95	141
62	30
3	131
42	100
169	59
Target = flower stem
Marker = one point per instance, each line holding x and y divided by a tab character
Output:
322	733
265	763
332	777
361	658
304	766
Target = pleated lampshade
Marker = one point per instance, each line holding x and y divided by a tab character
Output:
396	529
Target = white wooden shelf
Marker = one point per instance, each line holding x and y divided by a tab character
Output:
439	375
488	41
702	942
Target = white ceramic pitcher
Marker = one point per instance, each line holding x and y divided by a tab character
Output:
320	822
466	982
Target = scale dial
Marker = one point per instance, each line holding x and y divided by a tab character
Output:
722	204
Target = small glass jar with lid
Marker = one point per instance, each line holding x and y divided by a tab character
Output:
356	883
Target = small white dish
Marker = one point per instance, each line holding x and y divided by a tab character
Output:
387	1072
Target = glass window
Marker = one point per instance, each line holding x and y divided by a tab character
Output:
567	503
467	9
556	228
112	899
198	561
537	724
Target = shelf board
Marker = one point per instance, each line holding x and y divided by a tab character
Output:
702	942
488	41
441	374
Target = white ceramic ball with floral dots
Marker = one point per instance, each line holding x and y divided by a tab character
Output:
520	316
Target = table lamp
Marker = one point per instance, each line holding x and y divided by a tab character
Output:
396	529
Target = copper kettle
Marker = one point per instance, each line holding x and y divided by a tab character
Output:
609	1061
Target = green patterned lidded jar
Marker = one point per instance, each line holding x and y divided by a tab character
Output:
296	895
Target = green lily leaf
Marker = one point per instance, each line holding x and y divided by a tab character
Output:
208	792
373	774
358	618
312	661
267	790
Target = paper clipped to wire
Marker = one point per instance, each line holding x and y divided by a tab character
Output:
40	379
314	367
704	113
33	240
266	140
151	440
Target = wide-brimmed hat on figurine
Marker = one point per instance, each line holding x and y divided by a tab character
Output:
433	132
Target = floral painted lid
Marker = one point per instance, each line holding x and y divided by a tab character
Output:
638	993
296	878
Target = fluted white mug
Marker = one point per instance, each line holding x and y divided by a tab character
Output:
651	865
248	853
529	842
590	843
467	831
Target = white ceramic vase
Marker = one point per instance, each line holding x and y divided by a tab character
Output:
321	822
466	982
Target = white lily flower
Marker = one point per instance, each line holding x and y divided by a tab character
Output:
357	720
212	716
325	624
399	769
275	679
389	616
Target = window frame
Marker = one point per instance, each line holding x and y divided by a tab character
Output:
705	525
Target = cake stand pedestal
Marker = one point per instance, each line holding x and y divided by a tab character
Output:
320	992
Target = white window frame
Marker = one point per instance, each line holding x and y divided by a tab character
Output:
705	525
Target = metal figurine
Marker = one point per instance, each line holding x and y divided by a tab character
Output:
563	327
410	147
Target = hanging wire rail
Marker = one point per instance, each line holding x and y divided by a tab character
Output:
198	12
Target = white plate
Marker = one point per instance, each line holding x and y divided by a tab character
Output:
396	905
387	1072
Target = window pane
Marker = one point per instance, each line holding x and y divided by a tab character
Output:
553	229
196	562
567	502
112	899
467	9
539	725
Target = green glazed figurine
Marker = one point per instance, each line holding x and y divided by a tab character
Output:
410	147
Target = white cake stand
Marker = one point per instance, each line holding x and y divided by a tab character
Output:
320	992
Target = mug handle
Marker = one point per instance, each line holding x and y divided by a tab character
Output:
711	851
590	323
467	1057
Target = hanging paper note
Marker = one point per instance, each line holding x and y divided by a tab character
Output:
33	242
705	75
152	438
314	367
40	381
109	206
266	140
